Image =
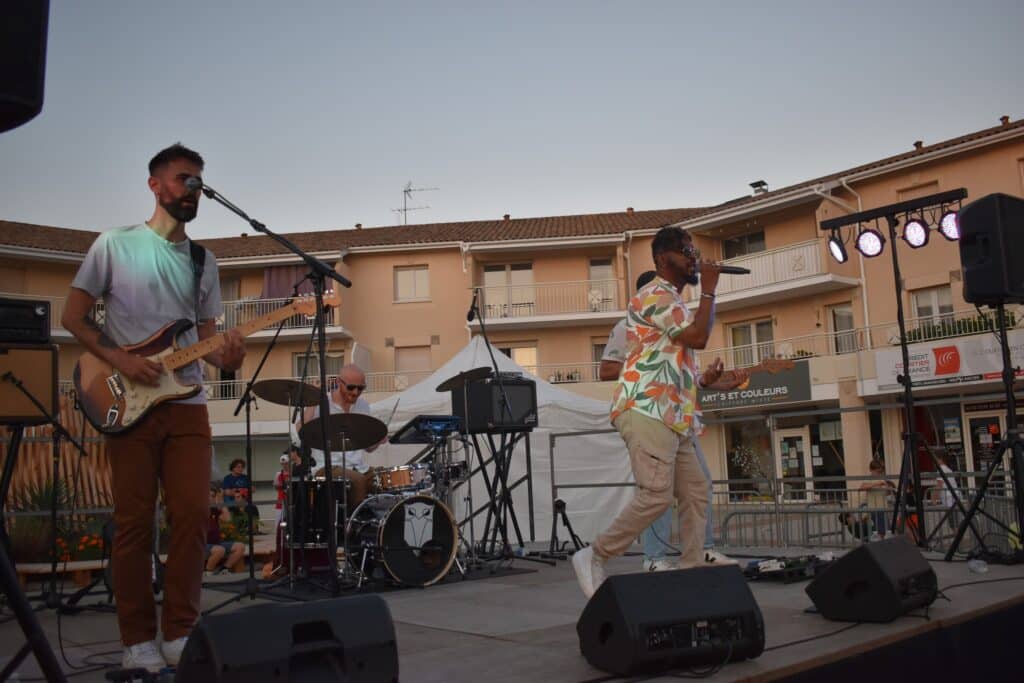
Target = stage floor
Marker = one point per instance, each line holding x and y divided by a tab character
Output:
521	627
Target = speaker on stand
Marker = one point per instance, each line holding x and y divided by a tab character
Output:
23	26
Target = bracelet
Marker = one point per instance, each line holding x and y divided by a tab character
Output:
707	296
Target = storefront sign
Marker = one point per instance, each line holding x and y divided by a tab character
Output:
763	389
977	358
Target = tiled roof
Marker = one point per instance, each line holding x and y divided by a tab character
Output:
550	227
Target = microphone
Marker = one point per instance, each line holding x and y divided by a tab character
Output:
730	270
472	308
193	183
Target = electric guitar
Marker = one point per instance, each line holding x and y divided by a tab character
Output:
113	403
770	365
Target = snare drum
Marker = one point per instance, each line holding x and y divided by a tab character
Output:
412	539
403	479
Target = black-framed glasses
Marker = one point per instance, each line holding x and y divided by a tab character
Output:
356	387
690	251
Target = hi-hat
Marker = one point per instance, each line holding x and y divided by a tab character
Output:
287	392
346	431
459	380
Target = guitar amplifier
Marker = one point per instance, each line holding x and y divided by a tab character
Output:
487	411
24	321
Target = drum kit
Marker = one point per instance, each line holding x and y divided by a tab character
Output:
402	532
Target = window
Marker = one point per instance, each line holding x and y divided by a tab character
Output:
840	321
335	361
741	245
752	342
412	283
597	353
508	290
601	287
524	355
412	363
935	303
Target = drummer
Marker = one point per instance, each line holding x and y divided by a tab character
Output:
346	397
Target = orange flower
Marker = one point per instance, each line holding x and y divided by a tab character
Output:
631	376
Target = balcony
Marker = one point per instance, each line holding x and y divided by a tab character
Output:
551	304
792	271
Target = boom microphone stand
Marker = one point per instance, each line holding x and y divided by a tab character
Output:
319	273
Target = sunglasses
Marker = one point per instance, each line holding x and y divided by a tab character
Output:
690	251
356	387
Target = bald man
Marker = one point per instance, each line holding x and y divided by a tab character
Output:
346	397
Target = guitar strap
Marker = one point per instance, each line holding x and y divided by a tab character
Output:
198	261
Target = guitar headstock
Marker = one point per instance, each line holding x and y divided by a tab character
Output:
775	365
306	303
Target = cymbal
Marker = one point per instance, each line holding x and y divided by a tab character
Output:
287	392
460	379
360	431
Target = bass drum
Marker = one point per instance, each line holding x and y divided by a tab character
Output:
412	539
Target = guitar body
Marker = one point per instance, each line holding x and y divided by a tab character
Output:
113	403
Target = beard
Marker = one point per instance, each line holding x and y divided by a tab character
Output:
179	211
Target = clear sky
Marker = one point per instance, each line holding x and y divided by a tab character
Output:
314	115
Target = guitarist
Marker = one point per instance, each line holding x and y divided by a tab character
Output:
144	274
655	538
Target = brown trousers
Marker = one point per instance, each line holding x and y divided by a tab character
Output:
170	446
665	466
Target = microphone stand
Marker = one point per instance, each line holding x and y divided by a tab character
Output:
319	273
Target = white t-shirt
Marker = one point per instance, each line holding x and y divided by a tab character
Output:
146	282
354	460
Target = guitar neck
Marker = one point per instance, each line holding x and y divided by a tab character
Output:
196	351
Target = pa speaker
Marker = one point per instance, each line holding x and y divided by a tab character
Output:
341	639
875	582
483	407
992	249
34	368
649	622
23	26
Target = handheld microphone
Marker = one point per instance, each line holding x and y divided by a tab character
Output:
471	315
730	270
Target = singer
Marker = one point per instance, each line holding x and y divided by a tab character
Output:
147	275
654	407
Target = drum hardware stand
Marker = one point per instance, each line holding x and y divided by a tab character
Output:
318	275
1014	443
252	587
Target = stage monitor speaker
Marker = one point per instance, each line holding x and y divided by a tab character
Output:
35	366
486	405
23	26
346	639
992	249
655	621
875	582
24	321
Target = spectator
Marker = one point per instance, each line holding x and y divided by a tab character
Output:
218	550
878	497
236	484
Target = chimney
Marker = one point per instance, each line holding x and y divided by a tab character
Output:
506	217
629	209
918	144
1005	120
245	234
759	186
359	226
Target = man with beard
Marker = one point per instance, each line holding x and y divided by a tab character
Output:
655	407
144	274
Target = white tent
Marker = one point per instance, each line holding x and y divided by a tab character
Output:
583	459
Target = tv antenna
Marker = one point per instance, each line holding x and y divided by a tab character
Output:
406	196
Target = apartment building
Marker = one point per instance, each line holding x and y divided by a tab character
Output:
550	289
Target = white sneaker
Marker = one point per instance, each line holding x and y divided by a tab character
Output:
717	558
659	565
172	649
143	656
589	570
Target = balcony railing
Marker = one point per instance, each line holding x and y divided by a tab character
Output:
550	298
942	326
243	310
792	262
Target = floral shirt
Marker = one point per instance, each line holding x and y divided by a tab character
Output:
658	378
